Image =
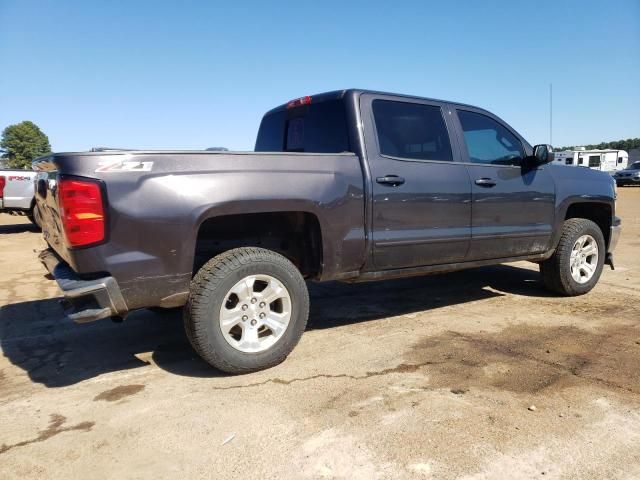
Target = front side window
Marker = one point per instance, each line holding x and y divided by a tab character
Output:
488	141
411	130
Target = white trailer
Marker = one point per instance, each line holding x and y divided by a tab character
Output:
567	157
606	160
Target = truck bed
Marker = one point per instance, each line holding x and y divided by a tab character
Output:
156	202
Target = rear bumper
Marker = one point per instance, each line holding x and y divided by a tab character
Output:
6	209
88	300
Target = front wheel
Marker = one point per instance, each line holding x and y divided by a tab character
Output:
247	310
576	265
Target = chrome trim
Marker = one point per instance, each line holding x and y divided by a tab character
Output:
614	237
103	292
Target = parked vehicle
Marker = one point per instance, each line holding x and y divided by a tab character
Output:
605	160
16	192
351	185
628	176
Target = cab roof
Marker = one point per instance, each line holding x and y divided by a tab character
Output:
340	94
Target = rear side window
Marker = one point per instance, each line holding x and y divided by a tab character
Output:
318	128
594	160
488	141
411	130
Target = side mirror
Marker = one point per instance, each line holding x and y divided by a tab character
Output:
541	154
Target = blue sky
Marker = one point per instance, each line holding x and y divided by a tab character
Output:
195	74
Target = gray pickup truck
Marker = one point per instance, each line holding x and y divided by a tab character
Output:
350	185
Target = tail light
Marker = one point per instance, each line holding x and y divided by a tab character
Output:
3	182
82	211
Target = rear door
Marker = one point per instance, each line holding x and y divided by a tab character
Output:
513	207
421	205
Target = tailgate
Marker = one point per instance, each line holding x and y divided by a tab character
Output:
47	205
85	219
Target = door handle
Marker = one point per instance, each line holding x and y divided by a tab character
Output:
485	182
393	180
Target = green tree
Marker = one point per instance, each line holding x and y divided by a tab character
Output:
22	143
628	144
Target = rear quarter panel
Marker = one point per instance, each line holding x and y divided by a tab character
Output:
154	215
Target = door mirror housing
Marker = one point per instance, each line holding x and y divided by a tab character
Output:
542	154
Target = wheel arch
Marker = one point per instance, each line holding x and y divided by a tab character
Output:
295	234
601	213
597	209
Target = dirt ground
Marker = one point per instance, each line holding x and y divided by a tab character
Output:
432	377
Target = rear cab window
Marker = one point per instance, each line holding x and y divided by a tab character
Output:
411	131
319	127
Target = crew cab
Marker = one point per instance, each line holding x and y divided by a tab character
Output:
351	185
16	193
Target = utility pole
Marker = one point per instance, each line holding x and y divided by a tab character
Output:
551	113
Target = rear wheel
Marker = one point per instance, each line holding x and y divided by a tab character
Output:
576	265
247	309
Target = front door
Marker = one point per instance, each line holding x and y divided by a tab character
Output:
513	207
421	209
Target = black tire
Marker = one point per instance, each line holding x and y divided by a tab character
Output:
33	216
556	271
209	289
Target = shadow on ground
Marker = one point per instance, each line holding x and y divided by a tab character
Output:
18	228
37	337
334	304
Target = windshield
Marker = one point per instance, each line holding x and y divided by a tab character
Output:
634	166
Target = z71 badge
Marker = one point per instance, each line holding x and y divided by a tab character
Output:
120	166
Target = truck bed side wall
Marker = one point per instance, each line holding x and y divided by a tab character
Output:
154	216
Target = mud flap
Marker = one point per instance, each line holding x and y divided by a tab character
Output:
609	260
